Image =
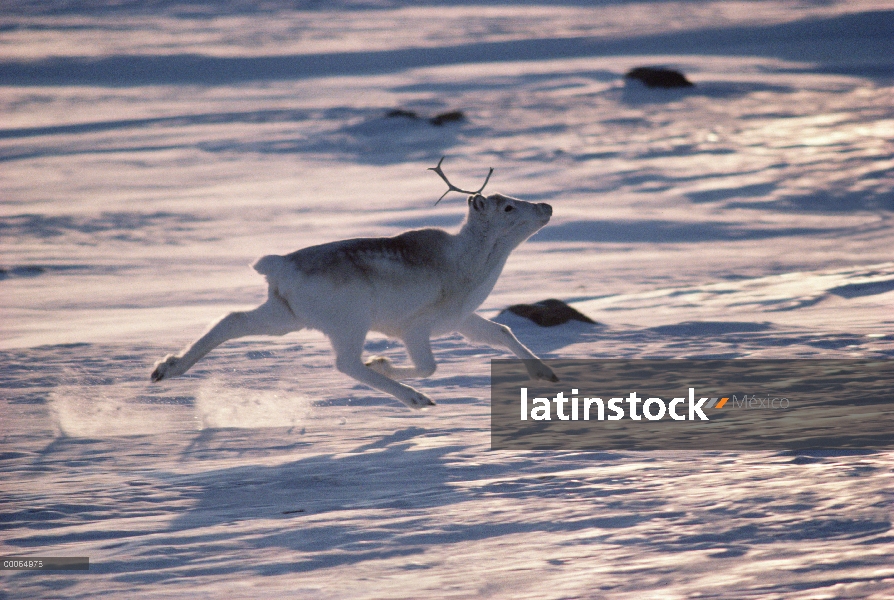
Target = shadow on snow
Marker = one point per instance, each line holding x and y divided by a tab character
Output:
834	37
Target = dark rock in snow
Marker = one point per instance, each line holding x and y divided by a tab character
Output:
399	112
25	271
447	117
453	116
659	77
548	313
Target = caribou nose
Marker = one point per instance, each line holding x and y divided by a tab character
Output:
546	208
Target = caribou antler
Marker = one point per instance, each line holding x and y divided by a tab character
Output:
453	188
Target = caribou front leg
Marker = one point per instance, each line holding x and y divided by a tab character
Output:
479	329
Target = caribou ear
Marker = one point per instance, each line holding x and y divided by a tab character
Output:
477	202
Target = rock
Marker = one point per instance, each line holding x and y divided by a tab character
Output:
399	112
447	117
453	116
549	313
25	271
659	77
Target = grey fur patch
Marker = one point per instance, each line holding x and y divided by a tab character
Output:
414	249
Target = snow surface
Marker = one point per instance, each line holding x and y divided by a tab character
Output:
151	150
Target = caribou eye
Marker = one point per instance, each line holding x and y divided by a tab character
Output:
508	209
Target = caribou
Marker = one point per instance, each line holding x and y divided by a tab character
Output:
413	286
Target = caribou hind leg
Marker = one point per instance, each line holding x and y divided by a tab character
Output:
271	318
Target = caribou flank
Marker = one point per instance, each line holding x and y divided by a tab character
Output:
413	286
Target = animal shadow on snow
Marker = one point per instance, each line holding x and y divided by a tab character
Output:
406	487
380	474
